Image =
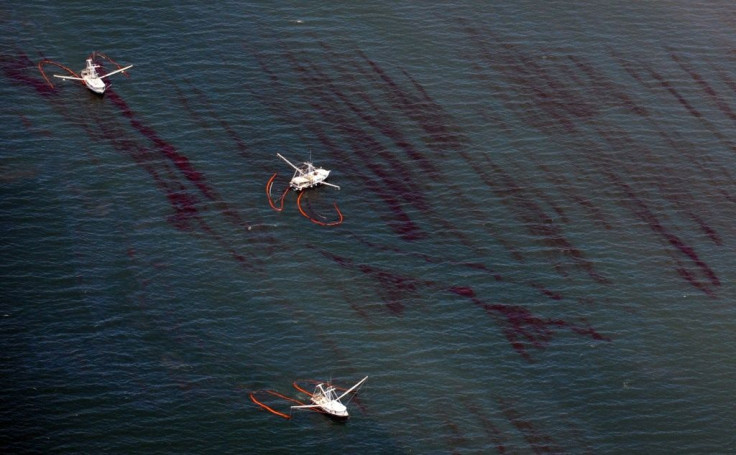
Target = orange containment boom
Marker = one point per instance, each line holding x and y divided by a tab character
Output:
270	409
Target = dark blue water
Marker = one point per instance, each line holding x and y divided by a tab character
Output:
536	254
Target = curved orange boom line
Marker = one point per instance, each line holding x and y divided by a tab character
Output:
270	409
296	386
50	62
268	194
331	223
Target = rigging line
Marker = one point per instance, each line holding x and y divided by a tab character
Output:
94	54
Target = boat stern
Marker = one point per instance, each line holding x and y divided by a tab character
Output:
335	409
96	84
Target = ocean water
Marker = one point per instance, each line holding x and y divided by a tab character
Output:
536	252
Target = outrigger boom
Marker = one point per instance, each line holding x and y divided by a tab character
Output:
116	71
353	387
288	162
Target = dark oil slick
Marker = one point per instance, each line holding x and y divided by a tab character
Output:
532	251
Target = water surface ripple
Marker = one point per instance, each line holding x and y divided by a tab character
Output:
536	254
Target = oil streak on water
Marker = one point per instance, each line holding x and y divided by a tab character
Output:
536	254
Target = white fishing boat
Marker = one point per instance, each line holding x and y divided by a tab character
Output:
307	175
325	399
91	78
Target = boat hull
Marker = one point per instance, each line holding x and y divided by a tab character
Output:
336	418
333	408
95	84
